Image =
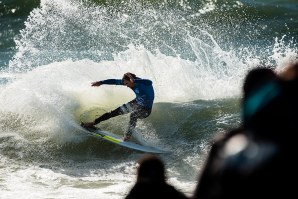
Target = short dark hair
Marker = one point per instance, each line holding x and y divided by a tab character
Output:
128	75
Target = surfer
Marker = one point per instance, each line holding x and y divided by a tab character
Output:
139	108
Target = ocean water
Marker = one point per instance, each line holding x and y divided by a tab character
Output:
197	54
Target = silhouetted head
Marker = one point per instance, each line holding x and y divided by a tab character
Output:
256	78
151	169
262	103
270	103
260	87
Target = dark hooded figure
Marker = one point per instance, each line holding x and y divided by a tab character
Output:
151	181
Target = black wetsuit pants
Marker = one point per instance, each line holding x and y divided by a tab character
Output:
137	112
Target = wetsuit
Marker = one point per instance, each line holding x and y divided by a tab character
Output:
139	108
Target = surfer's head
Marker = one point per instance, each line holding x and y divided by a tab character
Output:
128	79
151	169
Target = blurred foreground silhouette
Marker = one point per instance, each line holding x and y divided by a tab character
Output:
258	158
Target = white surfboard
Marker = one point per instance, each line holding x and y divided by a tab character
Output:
119	141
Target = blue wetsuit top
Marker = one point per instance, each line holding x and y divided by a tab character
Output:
142	88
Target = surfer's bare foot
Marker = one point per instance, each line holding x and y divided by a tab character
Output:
126	138
88	124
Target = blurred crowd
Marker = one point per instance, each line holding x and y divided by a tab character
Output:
257	159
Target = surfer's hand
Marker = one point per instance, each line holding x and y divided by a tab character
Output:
96	83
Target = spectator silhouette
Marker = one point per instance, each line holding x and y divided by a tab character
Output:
257	159
151	181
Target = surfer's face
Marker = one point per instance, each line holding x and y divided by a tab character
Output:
128	83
